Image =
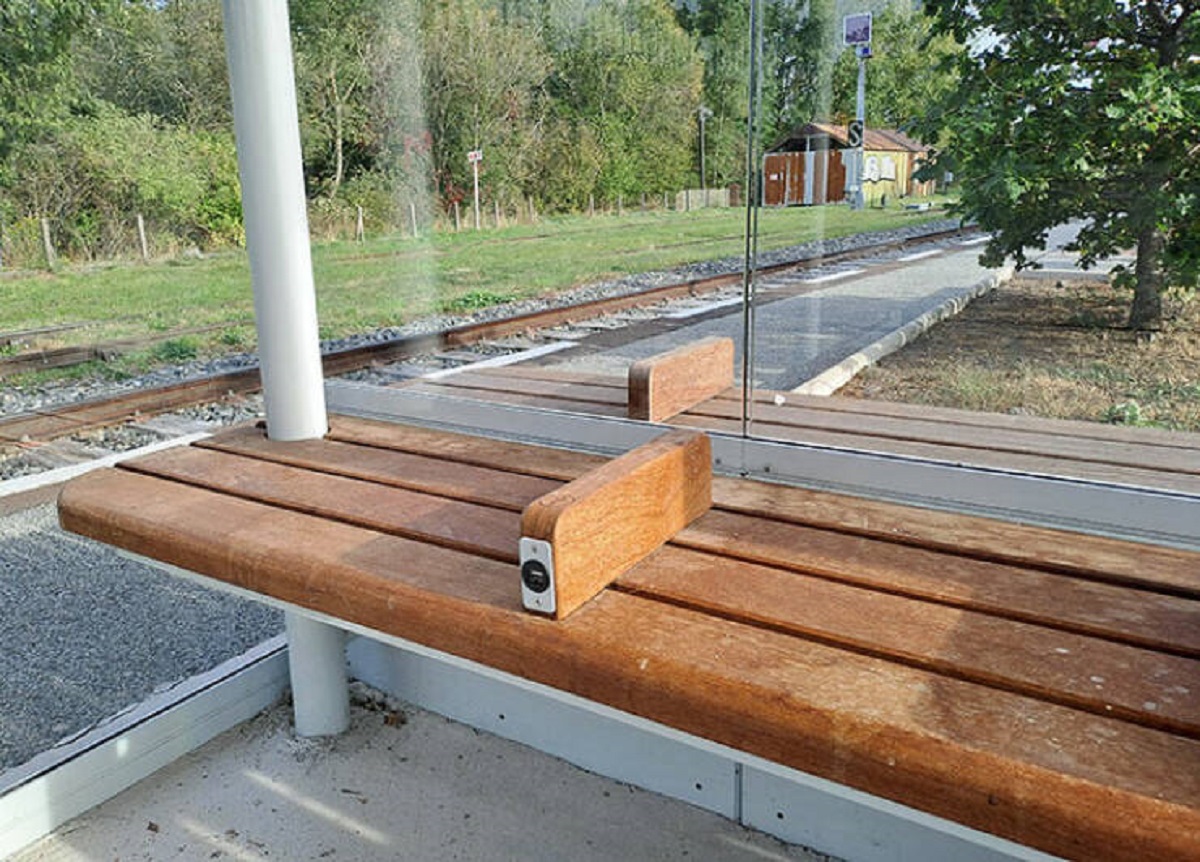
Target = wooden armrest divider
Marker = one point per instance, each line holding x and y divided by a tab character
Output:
665	385
579	538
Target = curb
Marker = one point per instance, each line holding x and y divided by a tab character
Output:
834	378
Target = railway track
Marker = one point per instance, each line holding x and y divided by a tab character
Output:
70	419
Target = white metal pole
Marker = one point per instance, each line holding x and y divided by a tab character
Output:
259	52
317	665
475	173
258	45
860	113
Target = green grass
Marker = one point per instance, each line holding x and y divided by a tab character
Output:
387	281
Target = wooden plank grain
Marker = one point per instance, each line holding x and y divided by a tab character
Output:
426	473
1111	560
977	456
666	384
550	388
796	421
1094	557
466	526
1144	686
519	399
1139	617
540	461
604	522
1058	779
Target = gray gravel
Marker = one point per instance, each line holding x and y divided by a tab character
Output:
87	633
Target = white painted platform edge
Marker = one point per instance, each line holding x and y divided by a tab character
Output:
834	378
501	361
833	276
696	311
60	784
851	824
63	474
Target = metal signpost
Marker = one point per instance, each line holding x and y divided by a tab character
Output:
856	33
475	157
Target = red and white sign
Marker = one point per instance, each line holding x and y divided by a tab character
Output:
475	156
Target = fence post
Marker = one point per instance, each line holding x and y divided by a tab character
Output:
591	205
666	203
532	212
457	218
360	235
412	213
496	211
47	246
141	229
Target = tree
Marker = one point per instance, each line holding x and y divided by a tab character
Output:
799	58
722	29
484	81
628	81
35	37
1079	110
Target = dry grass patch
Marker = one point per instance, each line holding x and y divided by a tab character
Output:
1035	347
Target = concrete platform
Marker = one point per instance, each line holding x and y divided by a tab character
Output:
403	783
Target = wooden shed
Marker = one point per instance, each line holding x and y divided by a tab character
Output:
808	166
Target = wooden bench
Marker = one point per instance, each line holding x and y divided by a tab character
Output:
1038	686
1142	457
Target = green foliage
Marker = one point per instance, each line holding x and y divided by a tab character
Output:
631	77
35	73
94	173
474	300
484	81
175	350
1079	110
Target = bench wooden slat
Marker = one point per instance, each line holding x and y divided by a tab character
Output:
1139	685
1096	471
453	523
1160	622
425	473
1136	617
519	399
1089	556
549	388
800	420
1076	429
813	607
1035	772
1170	451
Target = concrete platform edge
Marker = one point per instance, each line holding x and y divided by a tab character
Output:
832	379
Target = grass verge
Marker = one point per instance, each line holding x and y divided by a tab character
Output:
391	280
1035	348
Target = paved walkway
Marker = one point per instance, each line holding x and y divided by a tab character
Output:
846	309
419	788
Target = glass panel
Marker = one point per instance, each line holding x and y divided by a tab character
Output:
1053	141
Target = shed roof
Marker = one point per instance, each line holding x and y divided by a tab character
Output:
884	140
